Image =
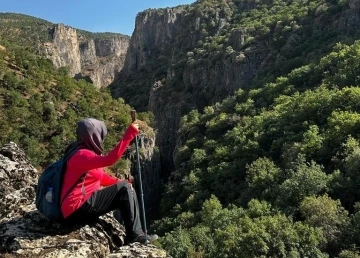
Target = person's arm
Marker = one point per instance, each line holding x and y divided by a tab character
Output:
86	160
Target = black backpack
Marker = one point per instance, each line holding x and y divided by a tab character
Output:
52	177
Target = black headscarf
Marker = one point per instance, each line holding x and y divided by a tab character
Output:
90	134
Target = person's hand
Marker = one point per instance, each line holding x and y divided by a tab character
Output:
131	186
136	125
130	183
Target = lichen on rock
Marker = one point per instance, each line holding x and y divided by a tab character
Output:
24	232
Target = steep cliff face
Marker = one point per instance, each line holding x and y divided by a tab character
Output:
64	50
98	60
168	115
172	35
154	30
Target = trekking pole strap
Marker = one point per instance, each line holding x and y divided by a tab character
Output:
66	159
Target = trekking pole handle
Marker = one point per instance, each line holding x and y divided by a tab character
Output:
133	115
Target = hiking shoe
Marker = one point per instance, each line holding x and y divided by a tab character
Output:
144	240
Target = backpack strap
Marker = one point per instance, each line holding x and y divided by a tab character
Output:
72	188
69	154
66	158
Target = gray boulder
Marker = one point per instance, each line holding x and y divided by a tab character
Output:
24	232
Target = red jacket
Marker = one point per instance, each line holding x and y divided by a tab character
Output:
85	160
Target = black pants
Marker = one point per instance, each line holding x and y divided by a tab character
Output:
120	196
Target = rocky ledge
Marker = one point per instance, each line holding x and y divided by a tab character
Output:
24	232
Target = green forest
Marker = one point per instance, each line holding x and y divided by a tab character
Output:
40	105
272	181
271	170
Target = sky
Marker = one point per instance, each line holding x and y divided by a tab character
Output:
91	15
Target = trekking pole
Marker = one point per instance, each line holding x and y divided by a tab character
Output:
133	117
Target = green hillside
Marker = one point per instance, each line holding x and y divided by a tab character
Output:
293	167
40	105
30	32
24	30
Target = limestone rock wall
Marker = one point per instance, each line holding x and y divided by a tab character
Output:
154	29
64	50
98	60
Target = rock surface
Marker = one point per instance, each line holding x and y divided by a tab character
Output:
152	28
64	50
354	4
24	232
98	60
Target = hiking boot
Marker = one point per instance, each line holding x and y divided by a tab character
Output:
144	240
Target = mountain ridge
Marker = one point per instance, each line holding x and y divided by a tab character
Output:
10	16
97	57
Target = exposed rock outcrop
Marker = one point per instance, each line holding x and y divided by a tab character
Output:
64	50
354	4
349	21
152	28
168	114
2	48
24	232
98	60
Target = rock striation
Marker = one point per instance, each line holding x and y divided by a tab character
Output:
98	60
154	29
64	50
24	232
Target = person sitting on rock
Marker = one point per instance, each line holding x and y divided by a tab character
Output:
96	192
